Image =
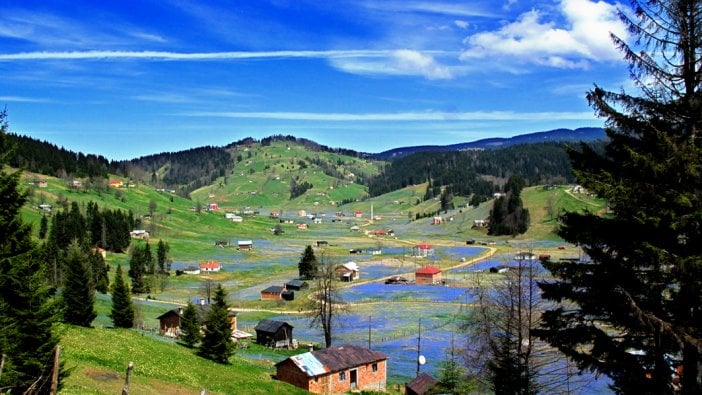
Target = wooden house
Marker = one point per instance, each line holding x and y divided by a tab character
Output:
335	370
322	243
244	245
296	285
274	333
421	385
169	322
139	234
302	226
274	292
428	275
348	271
192	270
116	183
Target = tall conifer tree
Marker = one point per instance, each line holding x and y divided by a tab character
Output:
78	290
217	343
122	309
27	312
190	325
635	311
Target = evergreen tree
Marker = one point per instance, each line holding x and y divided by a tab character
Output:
190	325
634	311
27	312
122	313
78	290
98	269
162	256
148	259
508	215
217	342
307	267
137	270
43	227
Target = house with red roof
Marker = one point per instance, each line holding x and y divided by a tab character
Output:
428	275
422	250
210	266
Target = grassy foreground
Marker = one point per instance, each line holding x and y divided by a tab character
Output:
99	357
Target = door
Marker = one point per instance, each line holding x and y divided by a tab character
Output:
354	378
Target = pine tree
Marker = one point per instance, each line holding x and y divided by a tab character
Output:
78	290
148	259
307	267
217	343
122	313
98	269
190	325
136	270
27	312
634	312
162	256
43	227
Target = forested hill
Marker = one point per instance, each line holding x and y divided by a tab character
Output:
478	172
46	158
184	171
557	135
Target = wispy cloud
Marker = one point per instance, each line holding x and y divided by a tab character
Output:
534	39
463	9
22	99
196	56
400	62
429	116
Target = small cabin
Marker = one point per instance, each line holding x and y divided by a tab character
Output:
244	245
428	275
274	333
274	292
139	234
421	385
296	285
348	271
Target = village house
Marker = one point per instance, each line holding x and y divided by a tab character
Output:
42	184
322	243
233	217
480	223
210	266
212	206
348	271
169	322
272	333
274	292
244	245
45	207
358	214
192	270
335	370
437	221
296	285
101	251
422	250
116	183
428	275
139	234
302	226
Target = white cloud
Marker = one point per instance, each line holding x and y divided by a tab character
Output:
461	24
398	62
430	7
532	39
428	116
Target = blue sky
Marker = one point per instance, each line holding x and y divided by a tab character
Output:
130	78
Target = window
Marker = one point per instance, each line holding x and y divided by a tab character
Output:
374	367
342	376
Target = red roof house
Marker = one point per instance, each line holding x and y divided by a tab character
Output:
210	266
422	250
428	275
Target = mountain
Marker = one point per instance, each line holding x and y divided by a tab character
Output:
556	135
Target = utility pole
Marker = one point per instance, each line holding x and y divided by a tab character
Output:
369	331
419	346
55	371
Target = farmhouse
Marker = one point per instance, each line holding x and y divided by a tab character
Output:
274	333
322	243
437	221
212	206
233	217
42	184
480	223
45	207
335	370
422	250
358	214
116	183
245	245
139	234
274	292
524	256
210	266
192	270
428	275
302	226
348	271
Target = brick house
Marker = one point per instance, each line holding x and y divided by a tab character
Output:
428	275
335	370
